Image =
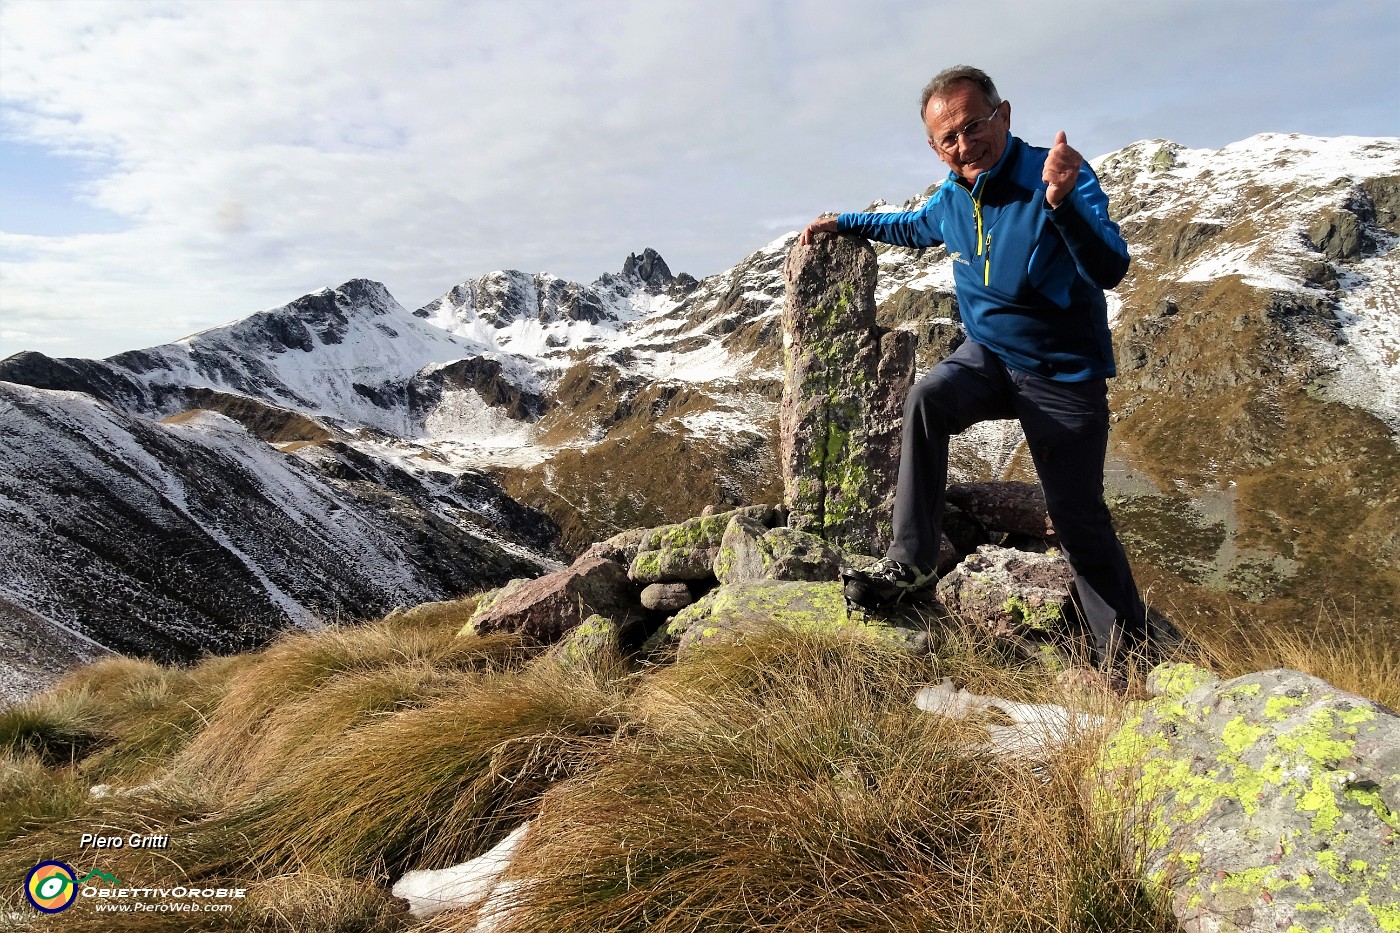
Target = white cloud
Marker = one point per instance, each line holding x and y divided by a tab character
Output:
260	149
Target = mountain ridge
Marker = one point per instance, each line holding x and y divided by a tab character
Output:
1259	310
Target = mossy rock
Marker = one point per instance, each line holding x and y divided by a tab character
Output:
1266	802
731	612
751	552
594	640
687	550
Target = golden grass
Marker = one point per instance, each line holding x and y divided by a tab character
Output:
1337	649
783	783
788	784
429	785
307	689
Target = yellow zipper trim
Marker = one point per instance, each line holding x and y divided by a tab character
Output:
984	245
977	212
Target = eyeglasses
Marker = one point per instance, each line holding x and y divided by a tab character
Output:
974	130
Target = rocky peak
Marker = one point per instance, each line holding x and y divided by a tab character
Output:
650	268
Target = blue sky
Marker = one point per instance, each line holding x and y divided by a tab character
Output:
170	166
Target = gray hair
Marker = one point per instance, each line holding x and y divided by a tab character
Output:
943	82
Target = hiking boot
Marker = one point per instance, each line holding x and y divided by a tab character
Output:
886	582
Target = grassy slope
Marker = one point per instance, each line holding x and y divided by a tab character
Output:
786	783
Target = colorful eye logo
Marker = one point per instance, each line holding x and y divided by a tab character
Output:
51	887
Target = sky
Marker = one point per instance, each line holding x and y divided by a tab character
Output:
166	167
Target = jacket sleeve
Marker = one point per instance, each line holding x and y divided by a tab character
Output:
1092	238
902	228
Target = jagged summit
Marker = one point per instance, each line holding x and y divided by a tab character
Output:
649	267
547	319
652	270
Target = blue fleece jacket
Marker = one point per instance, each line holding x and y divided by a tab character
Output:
1029	279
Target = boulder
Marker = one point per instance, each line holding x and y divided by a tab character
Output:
1013	508
843	395
687	550
1338	235
730	612
621	547
750	551
666	597
963	534
1011	593
1266	802
593	640
545	608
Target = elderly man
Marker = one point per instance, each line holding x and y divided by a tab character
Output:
1033	248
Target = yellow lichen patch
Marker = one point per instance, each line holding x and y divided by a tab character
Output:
1273	755
1178	679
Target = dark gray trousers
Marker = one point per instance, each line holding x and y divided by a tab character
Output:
1066	426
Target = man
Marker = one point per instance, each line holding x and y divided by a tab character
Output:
1033	248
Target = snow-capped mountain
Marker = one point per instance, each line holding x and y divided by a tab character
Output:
1254	450
1310	222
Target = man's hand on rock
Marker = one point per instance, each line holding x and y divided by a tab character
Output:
826	223
1061	170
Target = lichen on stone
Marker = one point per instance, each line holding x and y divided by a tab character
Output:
1263	796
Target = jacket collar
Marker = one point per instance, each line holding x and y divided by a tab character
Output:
1008	157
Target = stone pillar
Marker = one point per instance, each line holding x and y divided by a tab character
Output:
843	396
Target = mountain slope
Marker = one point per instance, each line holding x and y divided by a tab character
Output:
1258	340
173	539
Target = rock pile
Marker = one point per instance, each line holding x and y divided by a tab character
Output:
732	573
717	576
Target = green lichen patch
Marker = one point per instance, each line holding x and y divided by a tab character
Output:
1174	680
1266	793
739	609
1039	616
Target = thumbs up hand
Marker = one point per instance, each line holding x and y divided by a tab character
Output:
1061	170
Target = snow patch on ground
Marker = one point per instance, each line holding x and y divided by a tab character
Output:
721	424
463	415
1115	306
474	885
1368	371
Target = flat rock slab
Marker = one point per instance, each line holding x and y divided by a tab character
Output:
731	612
545	608
1270	802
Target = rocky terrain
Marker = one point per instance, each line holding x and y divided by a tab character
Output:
1255	460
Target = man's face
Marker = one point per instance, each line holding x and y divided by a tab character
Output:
954	110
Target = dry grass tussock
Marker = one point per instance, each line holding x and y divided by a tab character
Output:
307	689
785	783
1336	649
425	785
120	718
